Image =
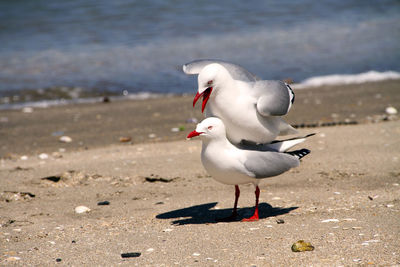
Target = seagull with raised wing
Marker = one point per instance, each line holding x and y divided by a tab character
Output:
230	164
250	108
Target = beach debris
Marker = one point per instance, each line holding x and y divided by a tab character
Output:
24	157
43	156
103	203
82	209
175	129
349	219
131	255
106	99
196	254
125	139
155	178
27	110
280	221
150	250
56	155
330	220
11	259
65	139
9	196
373	197
53	178
167	230
301	246
391	110
58	260
152	135
390	205
159	203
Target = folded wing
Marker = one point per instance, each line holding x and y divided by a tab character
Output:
267	164
275	98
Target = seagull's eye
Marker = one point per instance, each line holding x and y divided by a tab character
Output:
209	82
209	127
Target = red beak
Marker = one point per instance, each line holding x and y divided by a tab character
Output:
193	134
206	95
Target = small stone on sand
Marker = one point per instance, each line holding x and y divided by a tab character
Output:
82	209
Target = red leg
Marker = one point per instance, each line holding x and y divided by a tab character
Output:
234	212
255	215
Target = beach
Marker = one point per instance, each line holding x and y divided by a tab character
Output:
129	163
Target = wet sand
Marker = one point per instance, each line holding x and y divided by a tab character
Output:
344	198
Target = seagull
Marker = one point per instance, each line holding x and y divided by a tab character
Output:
250	108
230	164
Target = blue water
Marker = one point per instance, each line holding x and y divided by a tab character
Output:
141	45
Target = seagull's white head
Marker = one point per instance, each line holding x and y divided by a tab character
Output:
210	128
210	77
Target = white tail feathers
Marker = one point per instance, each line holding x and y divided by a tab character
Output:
285	145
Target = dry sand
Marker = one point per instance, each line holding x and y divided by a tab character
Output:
344	198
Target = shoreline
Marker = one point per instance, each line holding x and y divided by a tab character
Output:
169	118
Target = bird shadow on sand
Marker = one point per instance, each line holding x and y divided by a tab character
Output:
204	214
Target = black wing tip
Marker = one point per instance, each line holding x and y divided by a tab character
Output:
300	153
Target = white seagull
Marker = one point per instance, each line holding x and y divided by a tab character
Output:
249	107
230	164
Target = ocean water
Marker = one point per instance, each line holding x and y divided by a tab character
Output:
140	46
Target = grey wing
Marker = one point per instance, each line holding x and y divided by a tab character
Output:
275	98
237	72
268	164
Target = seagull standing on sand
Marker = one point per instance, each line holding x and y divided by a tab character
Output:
230	164
249	107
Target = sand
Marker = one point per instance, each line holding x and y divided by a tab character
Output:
344	198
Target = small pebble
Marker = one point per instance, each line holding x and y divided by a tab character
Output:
280	221
391	110
152	135
131	255
174	130
43	156
103	203
65	139
82	209
27	110
301	246
24	157
150	250
58	260
196	254
330	220
125	139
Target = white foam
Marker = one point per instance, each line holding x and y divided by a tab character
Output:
340	79
61	102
